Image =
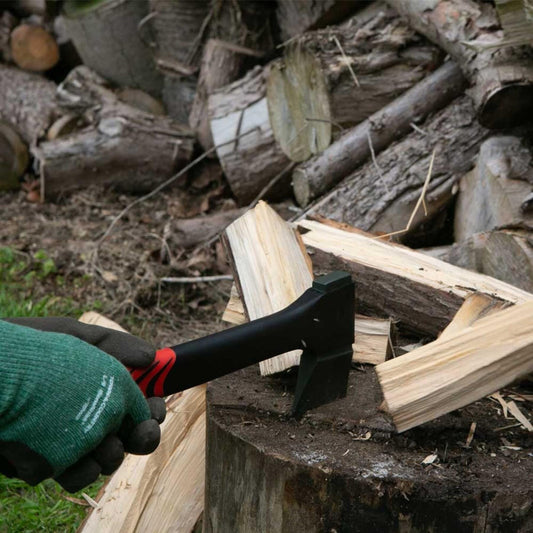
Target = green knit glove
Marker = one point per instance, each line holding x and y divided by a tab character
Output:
67	409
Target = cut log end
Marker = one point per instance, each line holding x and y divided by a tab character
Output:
507	107
13	157
33	48
298	105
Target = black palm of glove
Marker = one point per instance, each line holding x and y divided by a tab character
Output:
19	460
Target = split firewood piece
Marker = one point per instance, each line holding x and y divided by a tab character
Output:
298	16
381	195
339	76
506	255
107	39
373	341
271	269
492	195
501	76
460	369
420	291
320	173
474	307
254	159
133	499
33	48
222	63
121	146
28	102
13	157
373	336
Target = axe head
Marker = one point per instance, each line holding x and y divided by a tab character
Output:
327	347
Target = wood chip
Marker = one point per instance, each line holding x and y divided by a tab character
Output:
430	459
515	411
470	437
498	397
93	503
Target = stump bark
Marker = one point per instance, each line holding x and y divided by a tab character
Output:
246	147
381	196
105	34
343	469
119	146
501	76
340	76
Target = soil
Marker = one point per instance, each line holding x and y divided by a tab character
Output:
120	277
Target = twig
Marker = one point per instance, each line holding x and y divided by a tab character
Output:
417	128
198	279
420	200
374	160
346	61
165	184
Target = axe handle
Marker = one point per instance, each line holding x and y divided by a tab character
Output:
192	363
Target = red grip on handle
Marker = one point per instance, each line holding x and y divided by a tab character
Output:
151	379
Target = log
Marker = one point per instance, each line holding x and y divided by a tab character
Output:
298	16
491	196
28	102
162	491
421	292
13	157
267	258
222	63
501	76
105	34
7	23
320	173
121	146
342	75
252	161
33	48
382	199
506	255
464	367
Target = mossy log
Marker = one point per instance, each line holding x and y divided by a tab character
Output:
339	76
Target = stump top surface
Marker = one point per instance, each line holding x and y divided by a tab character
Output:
353	438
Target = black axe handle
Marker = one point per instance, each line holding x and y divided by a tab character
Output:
320	322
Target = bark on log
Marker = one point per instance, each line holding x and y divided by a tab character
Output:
382	199
28	102
33	48
298	16
121	146
13	157
105	34
222	63
421	292
341	75
7	23
251	161
506	255
322	172
492	195
502	77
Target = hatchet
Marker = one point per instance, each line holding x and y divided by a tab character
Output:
320	322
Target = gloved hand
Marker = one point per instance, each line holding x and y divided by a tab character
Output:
67	409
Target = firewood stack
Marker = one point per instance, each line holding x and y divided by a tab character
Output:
380	123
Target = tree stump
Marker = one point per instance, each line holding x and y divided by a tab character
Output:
343	468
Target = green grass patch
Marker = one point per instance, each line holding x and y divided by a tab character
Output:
44	507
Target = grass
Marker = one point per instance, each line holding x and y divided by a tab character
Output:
44	507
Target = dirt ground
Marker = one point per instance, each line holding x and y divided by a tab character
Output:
121	275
